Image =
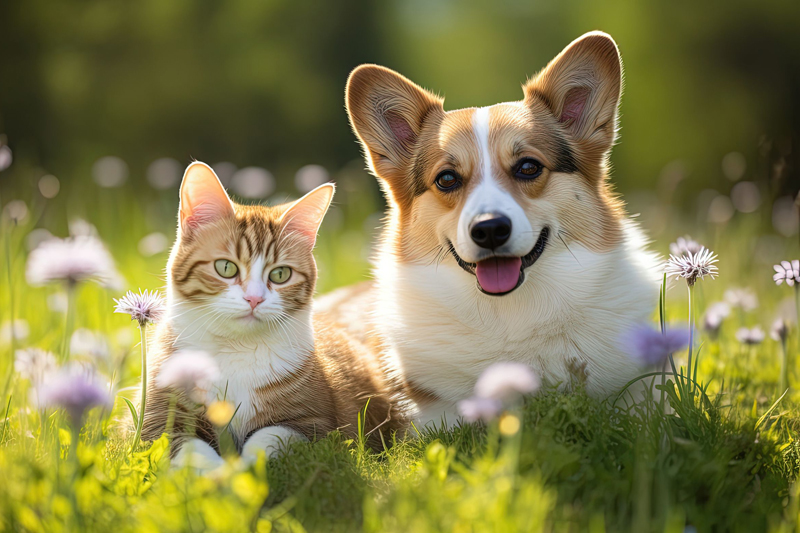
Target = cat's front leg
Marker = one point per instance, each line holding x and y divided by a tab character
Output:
197	454
271	440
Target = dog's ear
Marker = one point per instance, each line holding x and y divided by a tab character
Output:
582	88
387	112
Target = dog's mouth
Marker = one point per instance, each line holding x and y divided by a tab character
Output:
498	276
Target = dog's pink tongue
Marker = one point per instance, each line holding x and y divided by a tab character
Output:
498	274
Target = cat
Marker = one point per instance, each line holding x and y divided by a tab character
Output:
240	281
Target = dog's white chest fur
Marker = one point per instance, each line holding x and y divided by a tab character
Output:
566	319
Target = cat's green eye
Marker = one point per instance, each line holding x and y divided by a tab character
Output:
225	268
280	275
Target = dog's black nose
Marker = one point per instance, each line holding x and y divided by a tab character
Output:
490	230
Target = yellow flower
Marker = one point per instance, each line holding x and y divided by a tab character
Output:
509	425
220	413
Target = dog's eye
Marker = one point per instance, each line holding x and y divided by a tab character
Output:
528	168
447	181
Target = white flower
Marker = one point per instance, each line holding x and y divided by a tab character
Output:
72	260
750	336
788	272
685	246
91	343
742	298
34	364
506	381
16	211
780	330
16	330
145	307
189	371
693	266
474	409
79	227
715	314
58	302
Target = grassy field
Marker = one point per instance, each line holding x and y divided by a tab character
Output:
723	460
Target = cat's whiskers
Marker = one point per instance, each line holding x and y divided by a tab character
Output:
181	335
204	306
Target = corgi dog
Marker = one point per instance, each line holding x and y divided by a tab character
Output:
504	240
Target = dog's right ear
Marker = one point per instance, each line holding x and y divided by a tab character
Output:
387	112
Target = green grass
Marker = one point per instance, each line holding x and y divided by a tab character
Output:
578	464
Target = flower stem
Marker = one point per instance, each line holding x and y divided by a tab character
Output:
691	331
140	422
784	378
71	287
11	311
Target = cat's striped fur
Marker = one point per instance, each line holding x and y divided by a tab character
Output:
279	365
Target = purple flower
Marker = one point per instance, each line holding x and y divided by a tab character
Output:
189	371
788	272
145	307
506	381
74	390
72	260
499	385
474	409
649	347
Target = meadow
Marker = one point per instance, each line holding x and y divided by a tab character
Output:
718	453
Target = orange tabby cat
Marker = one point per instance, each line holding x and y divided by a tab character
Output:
240	286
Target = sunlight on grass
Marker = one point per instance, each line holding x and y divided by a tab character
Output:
722	455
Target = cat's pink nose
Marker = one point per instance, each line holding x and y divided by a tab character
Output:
253	301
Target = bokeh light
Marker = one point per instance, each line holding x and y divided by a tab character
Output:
164	173
49	186
110	172
734	166
253	183
310	177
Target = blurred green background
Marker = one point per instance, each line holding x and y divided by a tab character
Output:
115	97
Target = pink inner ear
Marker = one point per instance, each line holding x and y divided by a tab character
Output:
400	128
574	102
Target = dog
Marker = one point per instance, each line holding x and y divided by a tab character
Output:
504	240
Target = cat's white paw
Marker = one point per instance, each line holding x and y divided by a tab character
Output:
198	455
271	440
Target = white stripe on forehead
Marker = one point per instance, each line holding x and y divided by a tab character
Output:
480	125
489	197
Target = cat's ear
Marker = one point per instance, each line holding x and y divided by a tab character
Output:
304	216
203	198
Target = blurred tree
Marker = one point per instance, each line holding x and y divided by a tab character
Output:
261	81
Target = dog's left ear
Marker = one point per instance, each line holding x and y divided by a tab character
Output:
388	112
582	88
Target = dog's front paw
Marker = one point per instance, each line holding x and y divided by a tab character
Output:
270	440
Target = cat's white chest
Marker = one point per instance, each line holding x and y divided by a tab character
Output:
244	368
